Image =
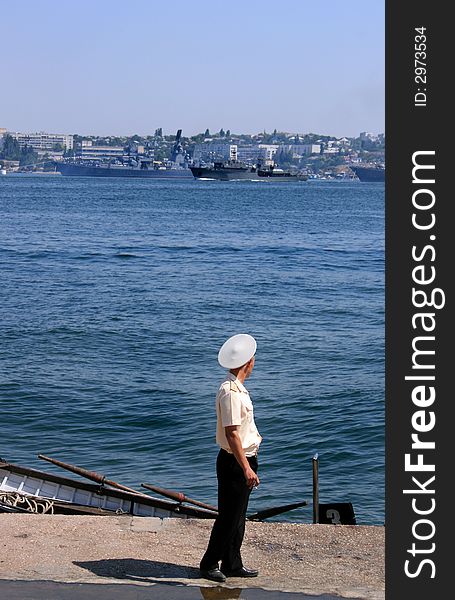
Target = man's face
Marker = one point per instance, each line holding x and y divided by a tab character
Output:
249	368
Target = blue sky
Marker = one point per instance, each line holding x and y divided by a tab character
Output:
110	67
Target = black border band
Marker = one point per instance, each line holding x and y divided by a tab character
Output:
419	277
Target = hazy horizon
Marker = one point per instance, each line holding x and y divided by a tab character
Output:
107	68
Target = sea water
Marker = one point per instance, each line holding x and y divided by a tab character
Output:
116	295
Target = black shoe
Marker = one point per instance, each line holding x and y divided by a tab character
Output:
242	572
213	575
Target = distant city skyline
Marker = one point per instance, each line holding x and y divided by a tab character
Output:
111	68
212	133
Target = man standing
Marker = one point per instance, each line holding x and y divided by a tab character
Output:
237	465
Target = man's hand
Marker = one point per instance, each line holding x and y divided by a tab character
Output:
233	438
252	480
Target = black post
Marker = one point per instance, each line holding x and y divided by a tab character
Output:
316	488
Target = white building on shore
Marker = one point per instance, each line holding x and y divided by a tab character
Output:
299	150
43	141
212	151
90	152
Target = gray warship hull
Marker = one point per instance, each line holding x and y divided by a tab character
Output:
227	173
81	170
369	173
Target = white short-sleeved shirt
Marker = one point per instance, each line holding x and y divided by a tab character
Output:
234	407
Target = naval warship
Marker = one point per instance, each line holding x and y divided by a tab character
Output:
372	173
232	170
143	168
137	165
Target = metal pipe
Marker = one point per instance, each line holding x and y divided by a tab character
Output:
178	496
92	475
316	488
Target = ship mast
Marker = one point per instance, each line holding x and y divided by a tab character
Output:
177	148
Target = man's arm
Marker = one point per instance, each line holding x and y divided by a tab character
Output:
235	444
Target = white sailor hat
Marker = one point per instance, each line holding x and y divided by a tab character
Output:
237	350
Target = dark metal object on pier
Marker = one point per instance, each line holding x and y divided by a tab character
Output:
316	488
335	513
275	510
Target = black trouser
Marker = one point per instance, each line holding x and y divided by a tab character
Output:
229	527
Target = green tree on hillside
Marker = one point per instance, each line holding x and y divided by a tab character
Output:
284	158
11	149
27	156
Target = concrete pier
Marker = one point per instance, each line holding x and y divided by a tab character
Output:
332	560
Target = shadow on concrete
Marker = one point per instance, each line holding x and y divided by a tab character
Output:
168	581
148	571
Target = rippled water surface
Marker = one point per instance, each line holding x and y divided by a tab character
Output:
117	294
